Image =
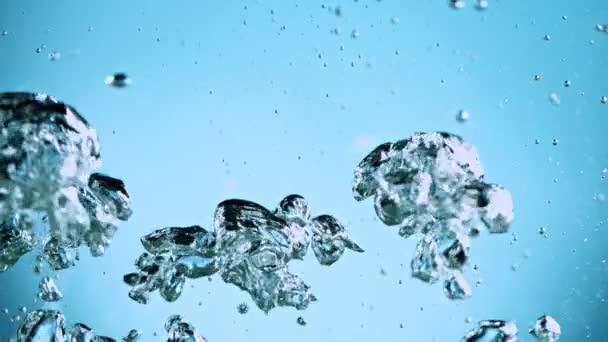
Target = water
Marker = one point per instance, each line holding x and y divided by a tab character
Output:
256	100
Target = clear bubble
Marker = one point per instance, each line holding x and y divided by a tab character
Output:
54	56
538	77
457	4
301	321
554	99
547	37
567	83
463	116
604	99
482	4
354	34
555	142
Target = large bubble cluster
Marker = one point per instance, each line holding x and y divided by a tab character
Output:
433	184
51	197
49	325
250	246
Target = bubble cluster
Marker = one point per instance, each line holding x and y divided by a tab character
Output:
49	325
48	290
492	330
433	184
250	246
52	199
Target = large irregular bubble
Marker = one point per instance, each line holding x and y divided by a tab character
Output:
250	247
546	329
179	330
51	197
433	184
492	331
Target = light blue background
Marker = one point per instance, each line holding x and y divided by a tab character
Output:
198	125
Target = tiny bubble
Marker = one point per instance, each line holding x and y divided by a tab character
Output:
482	4
555	142
567	83
53	56
243	308
463	116
547	37
301	321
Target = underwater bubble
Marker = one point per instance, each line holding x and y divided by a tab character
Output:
482	4
546	329
243	308
567	83
42	325
395	20
463	116
179	330
118	80
54	56
249	247
457	4
48	290
554	142
492	330
538	77
433	184
51	155
547	37
355	34
132	336
604	99
301	321
554	99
